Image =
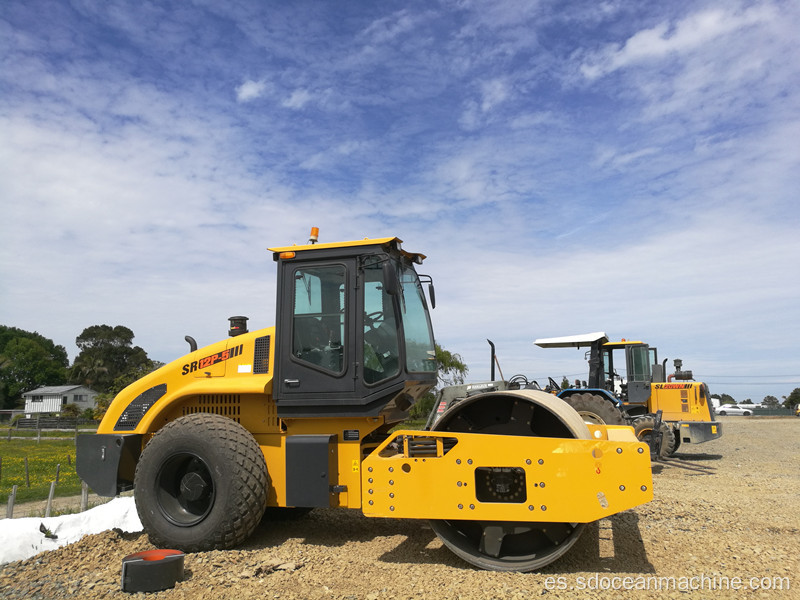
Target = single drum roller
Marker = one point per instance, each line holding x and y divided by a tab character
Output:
510	545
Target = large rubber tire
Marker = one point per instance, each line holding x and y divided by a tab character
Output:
676	434
595	409
643	427
501	545
201	484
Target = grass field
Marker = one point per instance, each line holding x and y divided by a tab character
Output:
42	460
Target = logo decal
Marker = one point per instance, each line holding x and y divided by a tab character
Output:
206	362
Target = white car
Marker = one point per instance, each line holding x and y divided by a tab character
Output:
733	409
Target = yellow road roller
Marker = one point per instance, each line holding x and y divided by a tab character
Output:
304	415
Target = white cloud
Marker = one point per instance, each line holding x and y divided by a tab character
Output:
694	32
250	90
608	158
493	92
298	99
386	29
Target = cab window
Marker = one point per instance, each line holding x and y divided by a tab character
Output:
318	320
420	352
638	363
381	345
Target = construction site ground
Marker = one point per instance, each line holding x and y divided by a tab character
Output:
725	523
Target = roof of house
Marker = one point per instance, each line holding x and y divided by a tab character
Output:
52	390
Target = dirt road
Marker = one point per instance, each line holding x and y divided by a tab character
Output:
725	523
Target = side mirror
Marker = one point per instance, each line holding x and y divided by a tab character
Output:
390	283
431	292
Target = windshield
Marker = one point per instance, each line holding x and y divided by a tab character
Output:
638	367
420	352
381	342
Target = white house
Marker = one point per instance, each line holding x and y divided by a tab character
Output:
52	399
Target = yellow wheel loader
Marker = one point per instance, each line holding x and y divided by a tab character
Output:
299	416
686	412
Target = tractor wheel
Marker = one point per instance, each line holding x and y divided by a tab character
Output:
676	434
201	484
643	427
504	545
595	409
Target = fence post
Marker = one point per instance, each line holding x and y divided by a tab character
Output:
11	498
84	496
58	472
50	498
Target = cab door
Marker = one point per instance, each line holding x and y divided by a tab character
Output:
315	333
637	357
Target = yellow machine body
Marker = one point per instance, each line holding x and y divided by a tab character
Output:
572	480
681	401
551	479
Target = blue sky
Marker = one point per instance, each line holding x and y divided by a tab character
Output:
567	166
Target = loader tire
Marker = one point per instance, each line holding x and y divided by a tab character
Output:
643	427
676	435
595	409
201	484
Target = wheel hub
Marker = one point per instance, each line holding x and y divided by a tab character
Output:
193	486
185	491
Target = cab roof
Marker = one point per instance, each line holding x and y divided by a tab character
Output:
573	341
583	340
391	242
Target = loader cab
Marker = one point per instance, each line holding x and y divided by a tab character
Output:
623	370
634	388
353	330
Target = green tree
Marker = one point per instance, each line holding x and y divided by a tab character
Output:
451	367
451	371
106	353
101	404
103	400
724	398
71	411
28	360
792	399
770	401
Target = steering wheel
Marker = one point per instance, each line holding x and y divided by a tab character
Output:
373	319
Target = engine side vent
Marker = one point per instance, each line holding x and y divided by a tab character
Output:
421	446
135	411
261	356
226	405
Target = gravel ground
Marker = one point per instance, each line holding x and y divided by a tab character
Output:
726	515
